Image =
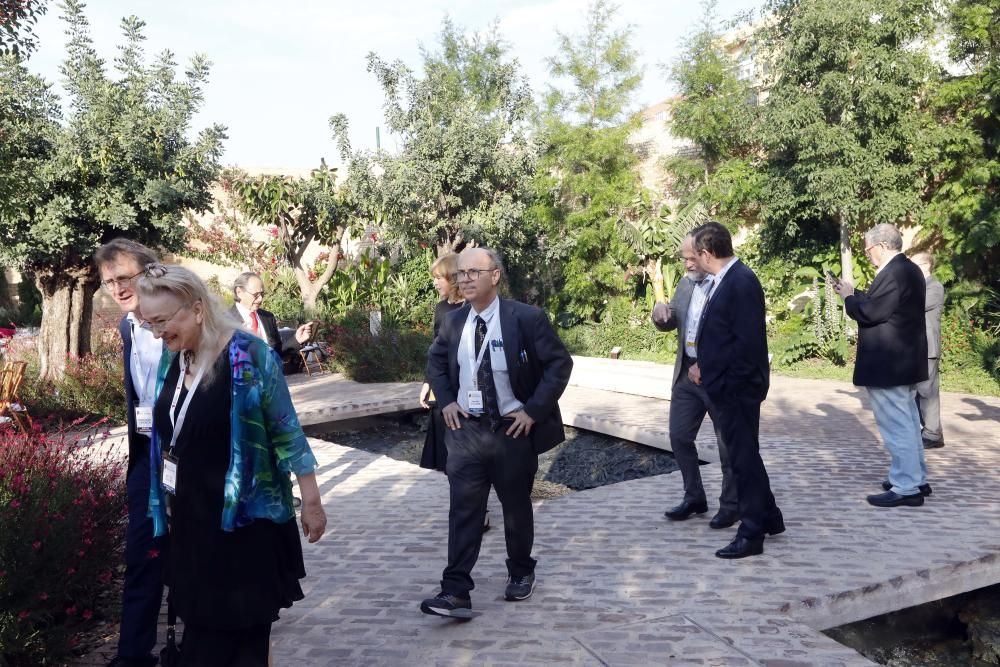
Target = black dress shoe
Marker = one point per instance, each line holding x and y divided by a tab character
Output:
775	524
685	510
933	444
723	519
891	499
925	489
742	547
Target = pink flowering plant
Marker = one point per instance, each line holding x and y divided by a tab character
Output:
62	531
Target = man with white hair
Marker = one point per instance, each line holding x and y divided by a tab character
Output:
929	391
891	360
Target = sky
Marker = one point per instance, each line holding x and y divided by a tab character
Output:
281	69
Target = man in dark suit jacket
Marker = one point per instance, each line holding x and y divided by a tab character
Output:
120	263
929	391
733	368
498	368
248	289
688	402
892	360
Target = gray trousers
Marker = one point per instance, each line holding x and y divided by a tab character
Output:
929	402
688	405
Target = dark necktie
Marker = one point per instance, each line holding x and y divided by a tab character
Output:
704	311
484	377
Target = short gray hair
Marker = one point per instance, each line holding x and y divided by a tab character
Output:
242	280
885	234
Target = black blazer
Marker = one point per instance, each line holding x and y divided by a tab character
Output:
537	361
268	325
732	341
892	335
138	444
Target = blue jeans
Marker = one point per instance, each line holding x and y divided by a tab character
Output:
898	421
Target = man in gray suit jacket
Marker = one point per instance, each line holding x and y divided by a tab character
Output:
688	401
929	391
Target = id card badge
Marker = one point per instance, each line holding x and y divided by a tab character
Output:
476	400
144	419
169	474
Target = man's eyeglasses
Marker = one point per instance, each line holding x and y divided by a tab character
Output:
255	295
114	283
868	250
471	274
158	327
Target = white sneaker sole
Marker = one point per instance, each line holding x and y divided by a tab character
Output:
460	612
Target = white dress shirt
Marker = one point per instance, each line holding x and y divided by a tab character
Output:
699	297
498	360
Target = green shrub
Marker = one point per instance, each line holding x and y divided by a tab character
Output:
92	387
62	527
397	354
625	324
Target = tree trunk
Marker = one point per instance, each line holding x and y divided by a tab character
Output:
846	257
67	314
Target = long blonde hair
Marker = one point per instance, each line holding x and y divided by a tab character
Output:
217	326
445	267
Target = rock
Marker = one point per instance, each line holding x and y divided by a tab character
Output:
982	619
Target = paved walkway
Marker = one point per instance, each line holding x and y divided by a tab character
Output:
620	585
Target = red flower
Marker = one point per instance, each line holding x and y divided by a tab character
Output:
36	545
71	611
273	231
152	553
14	504
24	614
43	596
87	614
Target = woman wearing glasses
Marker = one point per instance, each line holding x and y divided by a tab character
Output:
226	438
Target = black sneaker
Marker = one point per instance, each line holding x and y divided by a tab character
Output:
451	606
519	588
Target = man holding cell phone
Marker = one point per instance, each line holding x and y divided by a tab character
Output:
892	360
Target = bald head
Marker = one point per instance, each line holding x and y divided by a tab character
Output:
479	273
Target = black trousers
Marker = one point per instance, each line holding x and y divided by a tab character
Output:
739	421
212	647
479	458
688	405
142	592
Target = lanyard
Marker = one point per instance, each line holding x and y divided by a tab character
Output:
178	421
140	390
470	343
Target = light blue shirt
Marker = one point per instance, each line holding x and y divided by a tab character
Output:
699	297
145	360
498	360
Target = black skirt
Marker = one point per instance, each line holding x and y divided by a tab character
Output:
220	579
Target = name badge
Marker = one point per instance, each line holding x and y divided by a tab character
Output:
689	343
169	474
476	400
144	419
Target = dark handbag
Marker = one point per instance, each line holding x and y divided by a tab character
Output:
170	655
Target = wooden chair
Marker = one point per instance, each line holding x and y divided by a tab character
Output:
11	407
311	354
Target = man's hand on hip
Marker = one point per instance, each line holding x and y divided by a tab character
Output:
522	423
450	413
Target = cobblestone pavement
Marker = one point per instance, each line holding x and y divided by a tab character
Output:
620	585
